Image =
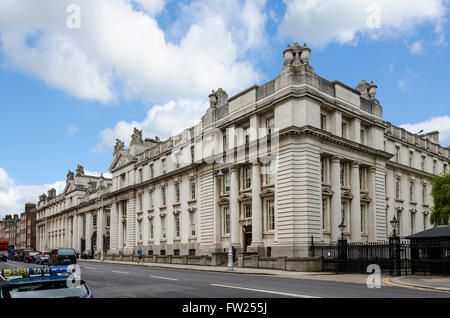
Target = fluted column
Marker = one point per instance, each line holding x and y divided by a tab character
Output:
355	216
257	214
217	213
371	212
114	230
79	231
120	226
234	207
100	228
131	223
88	231
336	198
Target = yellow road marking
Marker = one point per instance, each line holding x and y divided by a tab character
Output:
388	281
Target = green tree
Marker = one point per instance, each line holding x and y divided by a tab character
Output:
440	213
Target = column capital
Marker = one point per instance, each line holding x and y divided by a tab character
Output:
336	159
356	164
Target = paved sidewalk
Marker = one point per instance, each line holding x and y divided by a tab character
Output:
344	278
427	282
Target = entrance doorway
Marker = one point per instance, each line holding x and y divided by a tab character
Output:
247	237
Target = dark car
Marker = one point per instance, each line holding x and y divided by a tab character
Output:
3	256
42	258
62	256
30	257
22	254
85	256
49	283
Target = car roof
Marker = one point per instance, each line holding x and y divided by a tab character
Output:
36	279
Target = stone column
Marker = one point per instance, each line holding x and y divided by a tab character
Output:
257	213
100	229
217	213
88	231
234	207
74	232
335	211
120	226
79	231
355	216
114	229
131	223
371	212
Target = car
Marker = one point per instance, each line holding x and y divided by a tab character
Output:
42	258
30	257
22	253
62	256
43	282
85	256
3	256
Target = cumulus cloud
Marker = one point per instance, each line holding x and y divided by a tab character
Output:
162	120
321	22
416	47
13	197
97	174
121	50
441	124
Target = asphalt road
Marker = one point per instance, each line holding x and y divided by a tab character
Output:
111	280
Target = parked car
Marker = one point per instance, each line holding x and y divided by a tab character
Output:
62	256
30	257
3	256
42	258
85	256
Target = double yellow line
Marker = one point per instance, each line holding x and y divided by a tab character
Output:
388	281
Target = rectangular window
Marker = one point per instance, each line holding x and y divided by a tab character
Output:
247	135
140	230
151	171
226	180
363	219
226	217
177	192
362	178
344	130
150	225
163	196
343	174
94	220
424	193
270	215
397	188
150	198
177	225
425	220
108	221
163	166
163	227
270	173
225	141
270	125
363	136
344	219
411	191
122	182
397	154
323	122
247	177
445	168
141	178
247	211
413	217
193	188
140	202
192	154
324	169
192	219
324	214
399	226
411	154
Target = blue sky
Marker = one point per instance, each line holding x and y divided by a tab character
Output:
67	93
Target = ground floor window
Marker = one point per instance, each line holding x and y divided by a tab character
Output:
413	225
363	219
163	227
325	225
247	211
140	230
226	220
192	219
150	225
345	212
270	210
177	225
399	226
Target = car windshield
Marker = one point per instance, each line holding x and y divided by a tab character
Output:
57	289
66	251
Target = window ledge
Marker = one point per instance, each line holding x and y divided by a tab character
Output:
192	201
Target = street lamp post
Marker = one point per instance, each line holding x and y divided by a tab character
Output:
230	247
394	248
342	249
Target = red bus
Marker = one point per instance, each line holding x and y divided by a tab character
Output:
4	246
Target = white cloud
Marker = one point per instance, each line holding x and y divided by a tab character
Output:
72	129
122	51
416	47
13	197
97	174
162	120
441	124
321	22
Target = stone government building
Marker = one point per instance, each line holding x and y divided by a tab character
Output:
307	154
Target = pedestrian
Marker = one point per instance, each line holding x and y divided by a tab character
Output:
140	256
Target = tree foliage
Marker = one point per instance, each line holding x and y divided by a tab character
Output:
440	214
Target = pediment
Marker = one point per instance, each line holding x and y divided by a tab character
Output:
347	194
267	192
327	191
245	197
365	197
224	201
120	160
69	187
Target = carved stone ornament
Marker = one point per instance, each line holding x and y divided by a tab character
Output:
80	170
136	137
119	146
70	175
213	99
192	209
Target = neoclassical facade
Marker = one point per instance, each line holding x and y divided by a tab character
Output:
269	169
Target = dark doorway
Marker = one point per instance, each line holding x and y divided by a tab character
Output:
247	237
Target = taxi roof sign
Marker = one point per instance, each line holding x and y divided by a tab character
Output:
34	271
